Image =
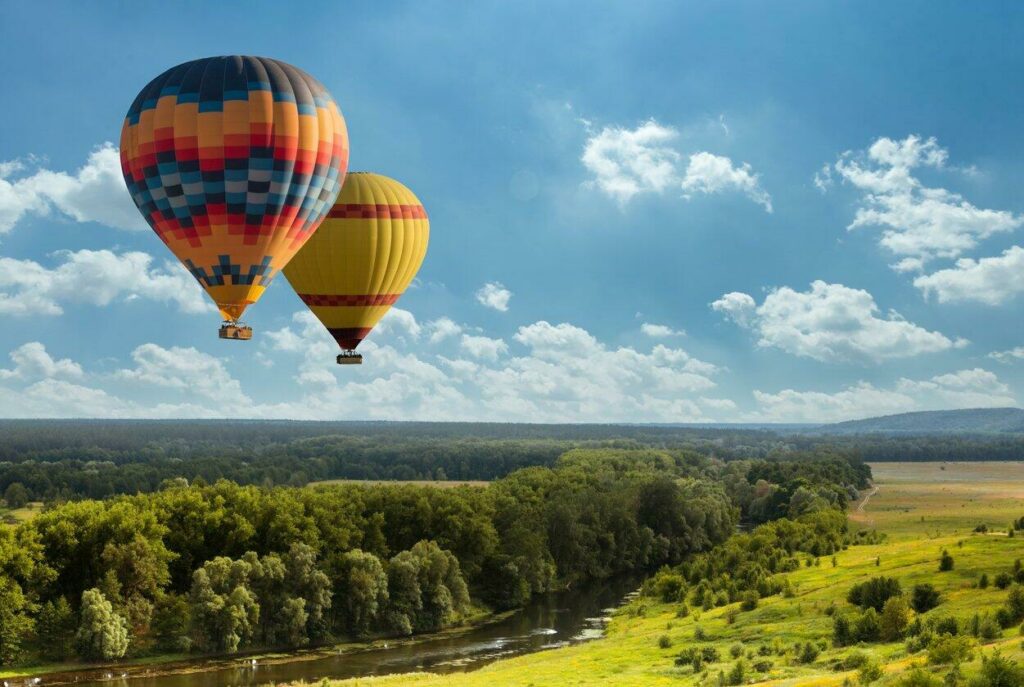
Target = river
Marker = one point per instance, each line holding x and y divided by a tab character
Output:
549	621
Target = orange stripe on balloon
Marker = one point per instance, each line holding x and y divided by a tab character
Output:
361	211
338	300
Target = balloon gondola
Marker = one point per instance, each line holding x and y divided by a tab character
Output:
234	162
361	259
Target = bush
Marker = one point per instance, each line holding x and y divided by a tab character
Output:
867	628
924	598
947	649
919	677
699	635
874	593
997	671
983	581
664	642
667	586
945	562
842	630
808	653
762	666
749	600
738	673
1015	602
736	650
869	672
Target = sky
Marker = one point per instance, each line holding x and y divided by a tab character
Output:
640	212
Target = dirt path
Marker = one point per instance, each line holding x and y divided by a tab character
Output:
859	514
864	501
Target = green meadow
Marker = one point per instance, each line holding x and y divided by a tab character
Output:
922	509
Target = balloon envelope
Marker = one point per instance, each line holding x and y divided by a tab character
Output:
234	161
363	256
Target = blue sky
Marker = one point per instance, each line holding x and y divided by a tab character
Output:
717	211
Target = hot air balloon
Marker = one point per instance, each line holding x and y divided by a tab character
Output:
234	161
361	259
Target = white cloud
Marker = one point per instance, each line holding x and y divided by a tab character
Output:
95	278
397	322
991	281
1009	356
483	346
707	173
917	221
442	328
95	193
32	361
831	323
626	162
973	388
659	331
494	295
185	369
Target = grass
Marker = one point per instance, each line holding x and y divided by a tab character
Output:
922	508
20	515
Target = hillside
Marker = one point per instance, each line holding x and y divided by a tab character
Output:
967	421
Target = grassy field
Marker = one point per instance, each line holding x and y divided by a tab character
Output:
923	508
20	515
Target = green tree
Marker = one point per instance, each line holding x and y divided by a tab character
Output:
945	562
895	619
918	677
949	649
998	671
16	495
102	633
171	621
224	609
15	622
924	598
55	629
361	591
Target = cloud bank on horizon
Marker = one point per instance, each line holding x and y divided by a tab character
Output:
732	249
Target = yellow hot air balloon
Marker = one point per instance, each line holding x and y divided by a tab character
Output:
361	259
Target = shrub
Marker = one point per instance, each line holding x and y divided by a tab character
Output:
749	600
869	672
699	634
919	677
738	673
997	671
874	593
762	666
1015	602
1003	580
983	581
664	642
867	628
667	586
808	653
854	660
683	610
924	598
947	625
736	650
946	649
842	630
945	562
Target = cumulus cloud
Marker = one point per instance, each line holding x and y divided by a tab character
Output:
95	278
659	331
831	323
494	295
918	222
32	361
1009	356
442	328
707	173
94	193
626	162
483	347
991	281
973	388
185	369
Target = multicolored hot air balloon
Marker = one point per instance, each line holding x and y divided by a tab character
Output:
362	258
234	161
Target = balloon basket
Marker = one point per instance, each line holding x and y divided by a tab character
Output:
235	330
350	358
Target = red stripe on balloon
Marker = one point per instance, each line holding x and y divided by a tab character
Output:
366	211
353	300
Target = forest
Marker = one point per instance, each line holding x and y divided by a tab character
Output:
222	567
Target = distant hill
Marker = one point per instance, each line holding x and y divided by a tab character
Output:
968	421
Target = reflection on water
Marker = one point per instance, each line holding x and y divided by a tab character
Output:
549	622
